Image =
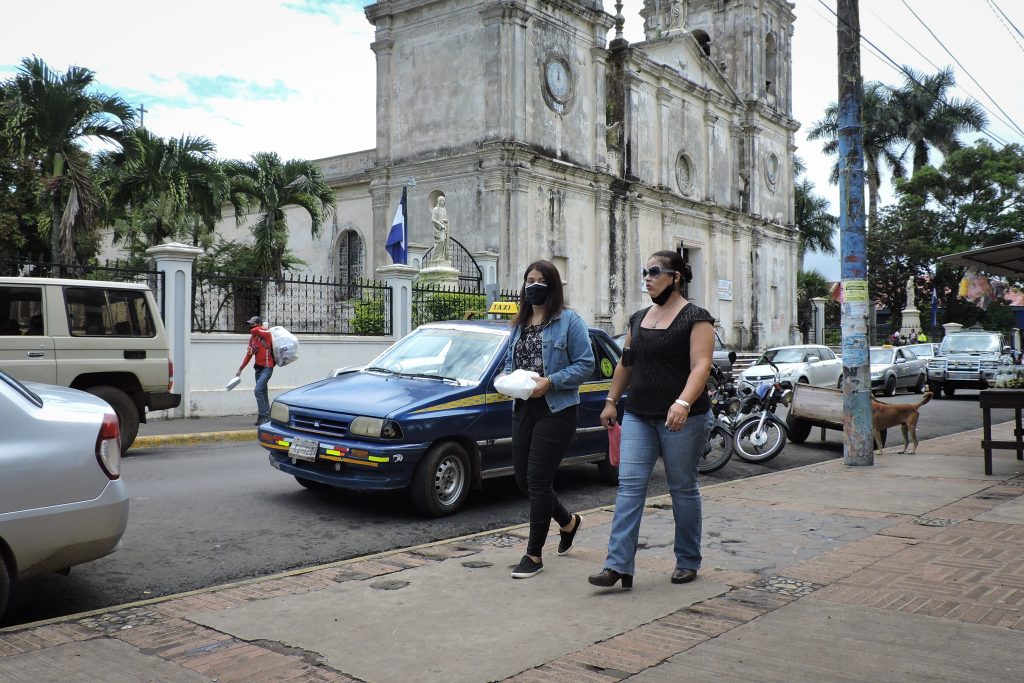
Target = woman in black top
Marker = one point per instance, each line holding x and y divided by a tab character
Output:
668	356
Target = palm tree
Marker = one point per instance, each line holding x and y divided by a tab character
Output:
270	185
173	183
51	115
881	133
929	119
815	224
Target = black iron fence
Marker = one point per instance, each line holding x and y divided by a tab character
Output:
301	303
431	303
509	295
471	278
17	265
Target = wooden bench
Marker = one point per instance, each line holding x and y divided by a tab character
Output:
1001	398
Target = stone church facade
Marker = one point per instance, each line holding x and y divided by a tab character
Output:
548	140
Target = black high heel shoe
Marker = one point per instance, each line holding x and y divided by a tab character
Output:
609	577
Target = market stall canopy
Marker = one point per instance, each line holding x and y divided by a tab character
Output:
1002	259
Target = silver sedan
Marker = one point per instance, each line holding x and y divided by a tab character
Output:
62	499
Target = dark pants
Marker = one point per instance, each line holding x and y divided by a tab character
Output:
540	439
262	395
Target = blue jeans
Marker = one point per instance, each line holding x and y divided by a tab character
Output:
262	399
643	440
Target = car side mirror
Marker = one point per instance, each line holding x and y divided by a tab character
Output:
813	359
901	360
732	356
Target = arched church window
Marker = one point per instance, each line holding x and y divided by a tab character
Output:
771	63
704	40
350	258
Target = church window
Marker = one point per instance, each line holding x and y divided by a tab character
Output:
771	63
684	173
350	259
704	40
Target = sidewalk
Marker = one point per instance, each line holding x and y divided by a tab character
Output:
182	432
910	570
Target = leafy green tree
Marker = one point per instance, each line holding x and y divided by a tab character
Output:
162	188
815	224
904	243
50	114
928	118
880	127
269	185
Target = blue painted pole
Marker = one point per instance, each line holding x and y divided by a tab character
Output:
858	448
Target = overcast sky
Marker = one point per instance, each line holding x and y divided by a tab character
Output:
298	77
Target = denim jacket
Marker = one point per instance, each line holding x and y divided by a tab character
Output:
568	357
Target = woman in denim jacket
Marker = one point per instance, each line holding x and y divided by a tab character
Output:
552	341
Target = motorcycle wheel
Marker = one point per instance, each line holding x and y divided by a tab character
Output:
758	448
717	451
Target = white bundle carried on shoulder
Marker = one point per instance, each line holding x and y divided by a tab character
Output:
286	346
517	384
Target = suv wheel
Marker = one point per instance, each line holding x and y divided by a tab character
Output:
948	392
127	413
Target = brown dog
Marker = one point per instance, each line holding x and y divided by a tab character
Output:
888	415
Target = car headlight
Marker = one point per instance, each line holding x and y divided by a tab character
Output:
375	427
279	412
877	375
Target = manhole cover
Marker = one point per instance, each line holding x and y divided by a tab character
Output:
936	521
783	585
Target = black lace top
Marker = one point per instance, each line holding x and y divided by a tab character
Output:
660	362
529	351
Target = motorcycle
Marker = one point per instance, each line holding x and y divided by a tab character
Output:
724	406
761	435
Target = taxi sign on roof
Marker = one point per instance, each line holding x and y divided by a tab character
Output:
504	308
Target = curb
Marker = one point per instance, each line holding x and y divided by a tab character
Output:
156	440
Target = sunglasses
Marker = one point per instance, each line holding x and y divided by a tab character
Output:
655	271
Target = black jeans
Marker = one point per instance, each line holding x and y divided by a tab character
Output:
540	439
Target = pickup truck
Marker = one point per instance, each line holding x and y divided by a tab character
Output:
967	360
895	368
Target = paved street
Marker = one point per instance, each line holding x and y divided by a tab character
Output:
210	514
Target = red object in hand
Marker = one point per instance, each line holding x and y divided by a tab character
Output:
614	437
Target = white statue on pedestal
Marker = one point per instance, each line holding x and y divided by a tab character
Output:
439	219
910	294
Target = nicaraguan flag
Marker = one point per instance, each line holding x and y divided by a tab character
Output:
398	239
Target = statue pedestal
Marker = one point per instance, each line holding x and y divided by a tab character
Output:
438	273
911	321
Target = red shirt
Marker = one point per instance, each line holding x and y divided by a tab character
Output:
260	344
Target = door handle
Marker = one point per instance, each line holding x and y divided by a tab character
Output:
35	354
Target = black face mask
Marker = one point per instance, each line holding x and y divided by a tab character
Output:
661	298
537	294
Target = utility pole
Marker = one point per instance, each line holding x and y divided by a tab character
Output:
858	448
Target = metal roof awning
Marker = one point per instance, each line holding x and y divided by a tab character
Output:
1002	259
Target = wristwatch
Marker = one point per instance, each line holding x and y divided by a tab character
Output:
683	403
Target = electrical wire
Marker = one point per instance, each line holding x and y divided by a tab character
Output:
1008	19
962	67
1003	20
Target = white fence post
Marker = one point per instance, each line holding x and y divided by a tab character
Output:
819	319
174	260
399	278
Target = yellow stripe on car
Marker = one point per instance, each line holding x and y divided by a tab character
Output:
495	397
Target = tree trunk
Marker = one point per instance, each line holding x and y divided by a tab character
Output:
56	210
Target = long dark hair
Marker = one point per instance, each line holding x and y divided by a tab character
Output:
556	300
674	261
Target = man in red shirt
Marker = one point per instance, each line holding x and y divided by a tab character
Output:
261	344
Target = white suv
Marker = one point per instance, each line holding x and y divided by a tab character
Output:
105	338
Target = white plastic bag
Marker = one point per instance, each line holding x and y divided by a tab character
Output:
517	384
286	346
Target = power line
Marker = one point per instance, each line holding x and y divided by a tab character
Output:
962	67
1003	20
892	63
1008	19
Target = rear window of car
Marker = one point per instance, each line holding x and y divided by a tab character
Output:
21	311
103	312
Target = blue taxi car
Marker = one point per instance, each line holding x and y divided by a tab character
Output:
423	416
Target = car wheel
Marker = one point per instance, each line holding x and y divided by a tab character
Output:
127	413
5	586
312	485
441	482
922	382
949	392
608	472
890	386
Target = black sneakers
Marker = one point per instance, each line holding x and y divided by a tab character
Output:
527	568
565	542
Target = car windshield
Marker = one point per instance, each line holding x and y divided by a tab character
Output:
971	343
920	349
881	356
782	356
459	354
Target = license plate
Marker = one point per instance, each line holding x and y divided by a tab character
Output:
963	375
303	449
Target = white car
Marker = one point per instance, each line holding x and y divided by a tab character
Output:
62	499
805	364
